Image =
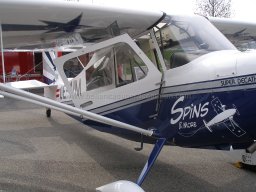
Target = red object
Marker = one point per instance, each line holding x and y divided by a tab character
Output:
59	54
20	63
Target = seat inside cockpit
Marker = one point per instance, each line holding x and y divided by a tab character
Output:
180	58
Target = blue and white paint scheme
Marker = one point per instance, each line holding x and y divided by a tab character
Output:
181	83
203	98
200	98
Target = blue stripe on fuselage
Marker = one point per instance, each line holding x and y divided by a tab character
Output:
139	115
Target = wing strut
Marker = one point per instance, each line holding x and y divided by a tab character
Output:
151	160
48	103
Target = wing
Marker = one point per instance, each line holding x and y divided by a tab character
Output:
241	33
217	105
234	128
43	22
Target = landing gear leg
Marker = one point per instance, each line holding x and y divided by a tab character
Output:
151	160
119	186
48	112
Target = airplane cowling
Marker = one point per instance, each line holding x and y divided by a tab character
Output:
120	186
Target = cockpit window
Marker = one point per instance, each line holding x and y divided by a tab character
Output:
104	69
129	67
99	74
183	39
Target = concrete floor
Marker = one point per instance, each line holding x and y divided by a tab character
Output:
60	154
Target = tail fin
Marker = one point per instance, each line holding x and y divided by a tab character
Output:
49	68
51	76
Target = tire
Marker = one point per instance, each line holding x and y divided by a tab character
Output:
48	112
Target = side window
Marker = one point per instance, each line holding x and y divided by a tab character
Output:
72	68
105	68
129	67
100	73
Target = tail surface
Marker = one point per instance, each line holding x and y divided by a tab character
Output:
49	68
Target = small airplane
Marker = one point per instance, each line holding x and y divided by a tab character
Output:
146	76
224	116
227	114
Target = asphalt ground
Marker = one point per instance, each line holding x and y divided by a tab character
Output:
60	154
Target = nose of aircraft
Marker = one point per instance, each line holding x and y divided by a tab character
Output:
246	63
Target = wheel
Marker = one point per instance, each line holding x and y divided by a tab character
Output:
48	112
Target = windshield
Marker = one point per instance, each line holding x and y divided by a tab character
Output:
184	38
